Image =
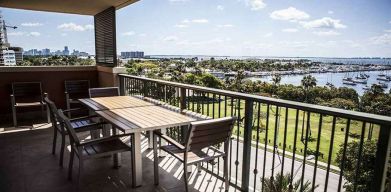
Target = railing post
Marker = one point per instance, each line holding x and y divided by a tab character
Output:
248	119
121	85
182	105
145	88
382	159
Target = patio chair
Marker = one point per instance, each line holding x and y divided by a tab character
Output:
79	124
26	95
103	92
200	145
94	148
74	90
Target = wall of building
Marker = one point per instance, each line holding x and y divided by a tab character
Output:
52	79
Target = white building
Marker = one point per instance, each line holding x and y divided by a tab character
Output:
9	57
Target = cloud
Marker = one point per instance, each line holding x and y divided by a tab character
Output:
203	43
256	4
19	33
326	33
31	24
74	27
199	21
387	31
142	35
170	38
324	23
64	34
15	33
129	33
330	12
225	26
220	7
268	34
382	39
35	34
289	14
181	26
290	30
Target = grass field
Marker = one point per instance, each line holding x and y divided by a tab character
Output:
225	108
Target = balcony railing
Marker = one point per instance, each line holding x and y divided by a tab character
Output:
275	136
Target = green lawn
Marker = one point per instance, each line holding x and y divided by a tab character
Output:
326	127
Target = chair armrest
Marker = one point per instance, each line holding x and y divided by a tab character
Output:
169	140
84	117
90	127
100	140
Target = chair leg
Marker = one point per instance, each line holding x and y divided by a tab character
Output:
81	165
226	179
14	116
54	140
70	167
62	149
155	159
185	176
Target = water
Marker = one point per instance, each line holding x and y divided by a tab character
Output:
334	78
349	61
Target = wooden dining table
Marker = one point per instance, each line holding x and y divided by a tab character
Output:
133	115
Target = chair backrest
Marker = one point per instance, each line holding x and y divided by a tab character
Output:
104	92
27	91
67	124
209	132
77	88
53	112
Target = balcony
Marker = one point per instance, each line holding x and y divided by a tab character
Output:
309	138
314	147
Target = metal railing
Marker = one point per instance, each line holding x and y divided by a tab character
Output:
308	146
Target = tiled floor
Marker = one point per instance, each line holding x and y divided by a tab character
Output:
26	164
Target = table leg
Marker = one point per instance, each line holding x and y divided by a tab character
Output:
137	160
150	139
94	133
117	156
163	143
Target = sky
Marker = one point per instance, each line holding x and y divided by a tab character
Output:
292	28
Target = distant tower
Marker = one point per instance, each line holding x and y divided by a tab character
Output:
4	45
66	51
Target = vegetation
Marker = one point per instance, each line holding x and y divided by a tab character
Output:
56	61
281	183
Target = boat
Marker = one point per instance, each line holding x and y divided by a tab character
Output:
349	82
382	85
381	75
383	78
362	76
366	87
361	81
347	79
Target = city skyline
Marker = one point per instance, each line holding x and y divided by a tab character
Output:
230	28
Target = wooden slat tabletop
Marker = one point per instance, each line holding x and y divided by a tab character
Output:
117	102
145	118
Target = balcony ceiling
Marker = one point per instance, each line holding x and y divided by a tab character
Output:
81	7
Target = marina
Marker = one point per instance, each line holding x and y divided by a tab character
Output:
337	79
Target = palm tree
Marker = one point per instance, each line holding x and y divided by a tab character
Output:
281	183
307	82
276	79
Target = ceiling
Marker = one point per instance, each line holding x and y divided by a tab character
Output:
81	7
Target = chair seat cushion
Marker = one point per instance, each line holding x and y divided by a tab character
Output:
105	148
206	154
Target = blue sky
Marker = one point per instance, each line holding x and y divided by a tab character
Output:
332	28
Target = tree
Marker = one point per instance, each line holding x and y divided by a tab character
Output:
280	183
276	79
366	167
307	82
209	80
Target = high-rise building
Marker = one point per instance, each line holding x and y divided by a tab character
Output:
132	54
9	57
66	51
45	52
18	54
